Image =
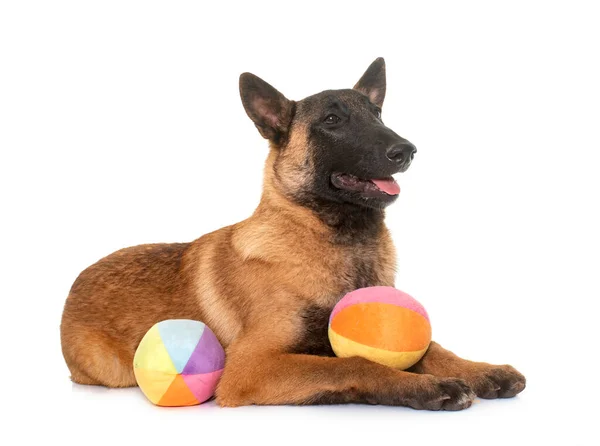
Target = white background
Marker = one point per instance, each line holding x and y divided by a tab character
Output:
120	124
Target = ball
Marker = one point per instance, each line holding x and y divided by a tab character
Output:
382	324
178	363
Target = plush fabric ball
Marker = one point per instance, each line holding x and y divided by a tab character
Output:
178	363
382	324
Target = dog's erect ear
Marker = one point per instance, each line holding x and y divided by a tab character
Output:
372	83
270	111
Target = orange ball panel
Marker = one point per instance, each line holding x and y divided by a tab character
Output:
385	326
178	394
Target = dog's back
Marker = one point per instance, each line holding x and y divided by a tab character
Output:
109	304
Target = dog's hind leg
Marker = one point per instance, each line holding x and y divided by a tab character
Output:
79	377
94	360
487	380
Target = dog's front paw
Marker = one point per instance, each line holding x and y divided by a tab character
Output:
443	394
496	381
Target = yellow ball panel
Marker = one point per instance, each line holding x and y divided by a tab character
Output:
345	348
152	354
153	383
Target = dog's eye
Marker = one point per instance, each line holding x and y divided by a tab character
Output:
378	113
332	119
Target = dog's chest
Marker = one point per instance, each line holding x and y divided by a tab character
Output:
313	337
356	268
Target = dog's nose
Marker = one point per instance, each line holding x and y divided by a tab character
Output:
402	152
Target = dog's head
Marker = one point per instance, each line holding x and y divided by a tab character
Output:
332	146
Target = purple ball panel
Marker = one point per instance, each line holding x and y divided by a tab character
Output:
207	357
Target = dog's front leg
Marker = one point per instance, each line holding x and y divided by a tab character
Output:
487	380
275	378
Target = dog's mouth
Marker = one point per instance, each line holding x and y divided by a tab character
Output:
374	188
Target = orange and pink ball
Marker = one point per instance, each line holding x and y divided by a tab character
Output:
382	324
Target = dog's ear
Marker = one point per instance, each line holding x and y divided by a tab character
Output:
372	83
270	111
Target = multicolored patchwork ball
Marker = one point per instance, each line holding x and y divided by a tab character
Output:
382	324
178	363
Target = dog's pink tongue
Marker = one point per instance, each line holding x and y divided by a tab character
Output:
389	186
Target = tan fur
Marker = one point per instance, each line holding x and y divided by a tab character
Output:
250	282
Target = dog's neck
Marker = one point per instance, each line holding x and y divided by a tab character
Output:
342	223
349	223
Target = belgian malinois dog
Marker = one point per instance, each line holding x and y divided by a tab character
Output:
266	286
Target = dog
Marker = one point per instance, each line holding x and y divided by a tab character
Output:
267	285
